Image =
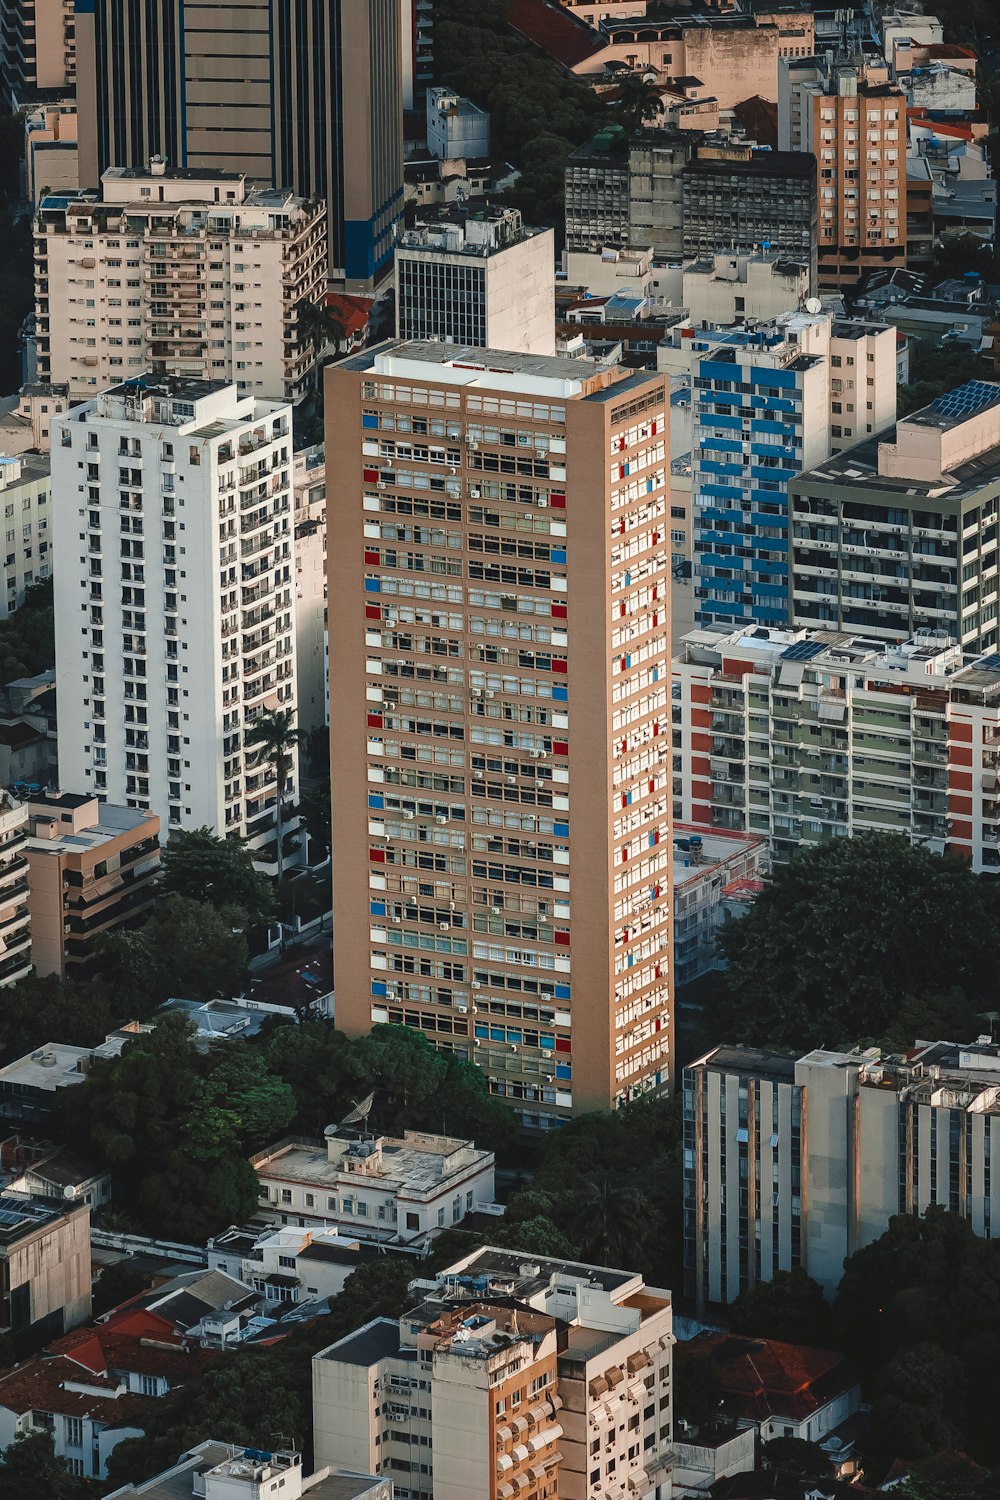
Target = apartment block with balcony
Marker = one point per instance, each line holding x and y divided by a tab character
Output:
92	869
852	119
900	532
15	917
736	198
193	274
807	735
37	45
175	622
24	495
501	816
803	1162
768	402
516	1376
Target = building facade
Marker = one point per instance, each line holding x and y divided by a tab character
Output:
807	735
899	533
37	38
179	631
716	873
481	279
189	274
743	200
301	96
538	1378
15	916
25	496
802	1163
507	729
457	129
312	653
852	120
765	403
44	1270
389	1191
92	869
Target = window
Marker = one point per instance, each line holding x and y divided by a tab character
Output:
413	1221
288	1261
148	1384
286	1195
74	1432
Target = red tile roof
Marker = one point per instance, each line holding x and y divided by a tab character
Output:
763	1378
41	1386
563	36
949	49
352	312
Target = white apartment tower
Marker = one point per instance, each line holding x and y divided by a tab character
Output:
175	611
186	273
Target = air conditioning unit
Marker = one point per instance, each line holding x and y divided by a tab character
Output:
512	781
542	502
474	494
478	776
444	926
497	911
409	816
440	819
476	985
381	485
546	1052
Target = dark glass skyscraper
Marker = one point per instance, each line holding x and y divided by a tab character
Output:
294	93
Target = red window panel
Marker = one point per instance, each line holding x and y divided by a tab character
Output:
372	557
562	939
563	1044
559	664
557	499
370	476
374	721
559	611
376	856
373	611
560	747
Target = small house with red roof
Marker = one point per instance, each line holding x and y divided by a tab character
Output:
788	1390
91	1389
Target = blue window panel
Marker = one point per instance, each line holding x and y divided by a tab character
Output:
761	424
768	591
369	420
374	800
498	1033
377	908
564	1070
722	607
379	987
714	560
656	678
562	991
515	1036
373	586
767	377
650	486
558	554
560	694
483	1032
547	1040
628	576
560	830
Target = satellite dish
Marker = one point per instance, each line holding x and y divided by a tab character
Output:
814	305
360	1112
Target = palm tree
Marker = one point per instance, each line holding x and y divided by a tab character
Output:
638	101
608	1222
277	737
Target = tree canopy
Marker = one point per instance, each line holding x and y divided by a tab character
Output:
28	636
868	937
202	867
186	950
790	1307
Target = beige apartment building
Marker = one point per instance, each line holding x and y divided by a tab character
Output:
516	1376
853	120
186	273
15	918
499	617
44	1270
92	868
37	46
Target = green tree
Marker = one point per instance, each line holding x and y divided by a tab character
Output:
221	872
28	636
851	938
608	1220
187	950
699	1398
30	1467
44	1009
638	102
796	1456
790	1307
950	1476
118	1283
276	738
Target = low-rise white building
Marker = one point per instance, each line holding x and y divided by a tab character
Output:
225	1471
732	288
289	1264
387	1190
25	427
457	129
715	871
191	272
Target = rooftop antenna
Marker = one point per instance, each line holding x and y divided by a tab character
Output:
359	1114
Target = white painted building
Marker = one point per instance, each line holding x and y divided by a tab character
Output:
312	650
389	1190
290	1264
457	129
732	288
15	919
27	552
225	1471
175	613
482	279
191	273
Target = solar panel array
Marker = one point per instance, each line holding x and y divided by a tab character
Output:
802	651
991	663
969	398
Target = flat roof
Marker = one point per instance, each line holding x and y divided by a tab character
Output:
857	468
56	1065
758	1061
532	1274
405	1167
366	1346
470	361
760	164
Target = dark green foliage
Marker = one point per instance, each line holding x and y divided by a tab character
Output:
538	114
187	950
27	637
868	937
796	1456
17	294
950	1476
39	1010
638	102
202	867
790	1307
175	1124
30	1467
416	1087
698	1397
117	1283
919	1311
933	371
258	1396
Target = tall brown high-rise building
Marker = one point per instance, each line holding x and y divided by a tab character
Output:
500	704
852	118
300	94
